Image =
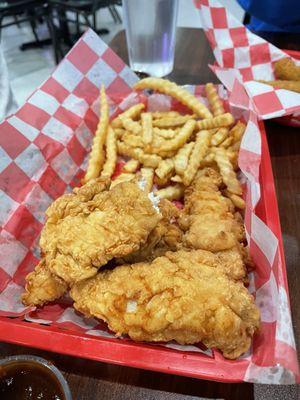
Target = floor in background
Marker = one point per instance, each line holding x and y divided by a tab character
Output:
30	68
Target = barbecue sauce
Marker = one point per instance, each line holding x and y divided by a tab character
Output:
26	380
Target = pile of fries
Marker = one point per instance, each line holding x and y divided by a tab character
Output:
168	148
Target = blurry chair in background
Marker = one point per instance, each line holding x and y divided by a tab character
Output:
19	11
83	10
84	13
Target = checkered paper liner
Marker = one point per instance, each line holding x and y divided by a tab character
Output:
242	58
43	153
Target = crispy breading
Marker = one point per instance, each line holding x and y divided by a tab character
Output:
85	230
208	216
175	297
164	237
42	286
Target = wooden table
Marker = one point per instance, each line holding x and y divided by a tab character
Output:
91	380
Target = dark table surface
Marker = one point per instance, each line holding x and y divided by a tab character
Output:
90	380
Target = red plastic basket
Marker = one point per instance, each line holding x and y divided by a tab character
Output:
145	356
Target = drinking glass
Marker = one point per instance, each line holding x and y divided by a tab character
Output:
150	33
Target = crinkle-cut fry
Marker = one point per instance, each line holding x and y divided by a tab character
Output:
123	177
178	141
147	175
214	100
227	171
147	128
233	157
237	201
171	192
237	131
165	114
181	159
294	86
96	159
131	125
165	168
132	112
227	142
172	122
173	90
286	69
148	160
165	133
132	140
111	153
235	146
220	121
219	136
208	160
176	178
119	132
198	153
131	166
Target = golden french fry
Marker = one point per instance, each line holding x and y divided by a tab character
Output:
130	125
172	122
176	178
132	140
164	171
131	166
147	177
119	132
182	158
111	153
165	114
96	159
237	131
286	69
173	90
171	192
227	142
178	141
124	177
208	160
233	157
227	172
198	153
148	160
237	201
294	86
147	129
165	133
214	100
132	112
219	136
220	121
235	146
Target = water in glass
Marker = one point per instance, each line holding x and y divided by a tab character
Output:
150	32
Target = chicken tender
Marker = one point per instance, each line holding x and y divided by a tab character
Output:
175	297
86	229
164	237
42	286
208	216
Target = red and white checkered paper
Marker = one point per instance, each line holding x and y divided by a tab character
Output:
43	153
242	58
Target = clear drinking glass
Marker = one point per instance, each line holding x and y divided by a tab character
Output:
150	33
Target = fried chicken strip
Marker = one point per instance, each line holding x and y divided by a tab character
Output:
175	297
86	229
42	286
164	237
208	216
